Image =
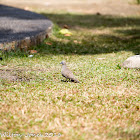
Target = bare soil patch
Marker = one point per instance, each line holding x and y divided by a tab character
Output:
13	75
20	74
7	75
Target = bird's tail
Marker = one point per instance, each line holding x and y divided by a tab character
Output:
75	80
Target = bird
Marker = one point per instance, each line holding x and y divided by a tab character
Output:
67	73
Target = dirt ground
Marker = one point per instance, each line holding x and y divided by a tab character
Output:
117	7
12	74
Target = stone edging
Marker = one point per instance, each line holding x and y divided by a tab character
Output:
27	42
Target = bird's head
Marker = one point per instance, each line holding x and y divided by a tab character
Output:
63	63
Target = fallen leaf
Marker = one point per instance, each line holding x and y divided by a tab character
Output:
33	51
98	14
65	31
67	35
66	26
75	41
48	43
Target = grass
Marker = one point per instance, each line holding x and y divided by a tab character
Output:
138	1
104	105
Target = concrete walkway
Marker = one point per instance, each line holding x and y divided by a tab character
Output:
21	28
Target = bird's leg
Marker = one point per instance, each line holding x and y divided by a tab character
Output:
66	80
72	80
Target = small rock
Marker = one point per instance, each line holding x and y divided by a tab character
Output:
100	58
30	56
132	62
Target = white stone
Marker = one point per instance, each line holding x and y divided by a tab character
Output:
132	62
30	56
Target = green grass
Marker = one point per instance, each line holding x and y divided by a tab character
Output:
138	1
104	105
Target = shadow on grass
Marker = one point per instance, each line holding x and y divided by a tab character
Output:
131	33
90	43
92	21
103	44
94	44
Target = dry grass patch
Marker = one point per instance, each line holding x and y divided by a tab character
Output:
102	106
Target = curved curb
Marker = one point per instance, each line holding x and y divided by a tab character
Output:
22	29
26	42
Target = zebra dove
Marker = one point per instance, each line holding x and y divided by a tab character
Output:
67	73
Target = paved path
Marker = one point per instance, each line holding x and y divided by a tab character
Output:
19	28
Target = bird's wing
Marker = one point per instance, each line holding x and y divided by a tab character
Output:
67	73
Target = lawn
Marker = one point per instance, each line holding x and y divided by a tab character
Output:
104	105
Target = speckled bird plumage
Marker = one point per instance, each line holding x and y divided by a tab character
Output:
67	73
